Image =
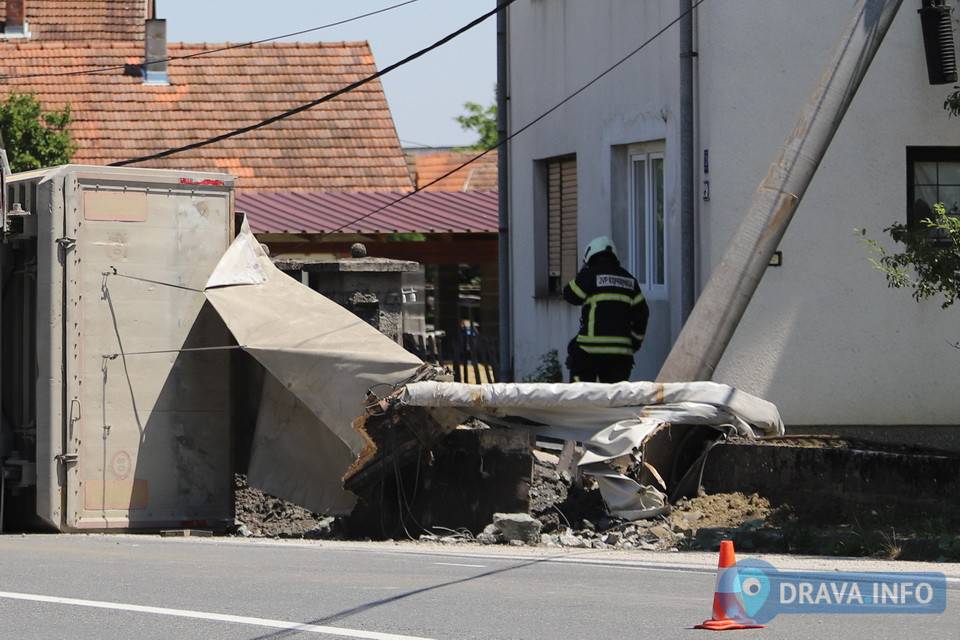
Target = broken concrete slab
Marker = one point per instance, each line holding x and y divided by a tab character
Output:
546	458
518	526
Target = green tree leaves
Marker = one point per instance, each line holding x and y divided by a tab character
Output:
34	138
930	261
482	120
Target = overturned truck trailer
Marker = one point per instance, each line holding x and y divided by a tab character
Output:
109	420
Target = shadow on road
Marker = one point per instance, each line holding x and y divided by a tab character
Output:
346	613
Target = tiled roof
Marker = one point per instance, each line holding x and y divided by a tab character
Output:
425	212
348	143
86	20
478	176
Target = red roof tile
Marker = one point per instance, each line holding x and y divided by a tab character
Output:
425	212
86	20
478	176
349	143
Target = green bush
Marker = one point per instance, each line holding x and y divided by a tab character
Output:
549	370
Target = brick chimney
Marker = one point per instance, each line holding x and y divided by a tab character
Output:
155	49
16	25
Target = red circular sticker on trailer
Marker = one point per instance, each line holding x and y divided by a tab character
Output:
207	183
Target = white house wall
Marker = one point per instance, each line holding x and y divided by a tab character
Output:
555	47
823	338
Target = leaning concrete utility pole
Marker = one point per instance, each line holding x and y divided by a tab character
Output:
721	305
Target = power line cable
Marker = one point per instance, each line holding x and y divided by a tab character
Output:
513	135
313	103
423	145
206	52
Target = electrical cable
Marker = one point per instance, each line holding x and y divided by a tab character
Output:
205	52
116	273
114	356
513	135
313	103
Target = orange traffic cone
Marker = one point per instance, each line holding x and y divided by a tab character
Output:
728	612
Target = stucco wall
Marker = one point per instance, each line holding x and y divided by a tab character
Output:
555	47
824	338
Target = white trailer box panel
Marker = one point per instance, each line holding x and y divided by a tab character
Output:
127	440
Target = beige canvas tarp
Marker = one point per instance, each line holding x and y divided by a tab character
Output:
320	360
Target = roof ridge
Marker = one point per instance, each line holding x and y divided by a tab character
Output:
296	44
26	44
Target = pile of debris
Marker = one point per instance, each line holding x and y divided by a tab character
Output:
260	515
567	511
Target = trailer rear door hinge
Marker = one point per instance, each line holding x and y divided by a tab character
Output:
67	243
66	458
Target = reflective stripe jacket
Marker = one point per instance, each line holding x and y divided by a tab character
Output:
613	320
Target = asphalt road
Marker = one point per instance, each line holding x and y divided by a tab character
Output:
105	587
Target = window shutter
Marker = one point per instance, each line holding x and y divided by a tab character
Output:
554	217
562	253
568	231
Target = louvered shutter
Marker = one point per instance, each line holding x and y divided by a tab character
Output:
562	253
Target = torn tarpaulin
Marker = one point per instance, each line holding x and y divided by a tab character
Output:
613	421
320	355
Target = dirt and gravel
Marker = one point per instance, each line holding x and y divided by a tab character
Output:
263	516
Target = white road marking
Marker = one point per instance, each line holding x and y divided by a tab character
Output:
457	564
218	617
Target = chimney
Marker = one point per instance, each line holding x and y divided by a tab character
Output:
156	49
16	25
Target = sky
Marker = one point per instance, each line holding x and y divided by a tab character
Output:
425	96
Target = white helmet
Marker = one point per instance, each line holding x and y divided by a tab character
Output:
603	243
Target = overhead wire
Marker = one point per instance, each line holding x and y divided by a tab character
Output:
525	127
206	52
313	103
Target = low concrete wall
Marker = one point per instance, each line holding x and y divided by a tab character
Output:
939	438
833	485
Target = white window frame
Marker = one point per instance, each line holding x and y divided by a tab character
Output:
637	217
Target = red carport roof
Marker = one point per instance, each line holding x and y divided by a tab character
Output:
324	212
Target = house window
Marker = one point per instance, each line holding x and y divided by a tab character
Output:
561	218
648	246
933	175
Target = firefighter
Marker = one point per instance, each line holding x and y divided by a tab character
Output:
613	318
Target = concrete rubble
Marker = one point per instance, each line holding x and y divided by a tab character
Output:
263	516
512	527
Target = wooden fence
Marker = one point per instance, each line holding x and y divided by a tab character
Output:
471	359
